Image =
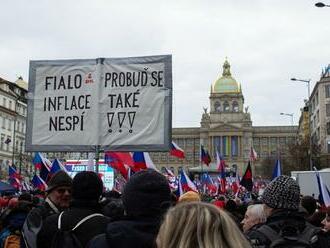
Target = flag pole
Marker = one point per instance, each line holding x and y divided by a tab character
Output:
97	158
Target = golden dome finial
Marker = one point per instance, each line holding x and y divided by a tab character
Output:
226	69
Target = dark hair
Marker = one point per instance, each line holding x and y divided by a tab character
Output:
308	203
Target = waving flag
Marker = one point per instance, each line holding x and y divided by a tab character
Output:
142	160
186	183
124	157
39	183
277	169
208	184
222	170
176	151
56	166
13	173
246	180
42	164
324	191
205	156
15	182
117	164
253	155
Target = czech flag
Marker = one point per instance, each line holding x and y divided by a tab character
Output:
39	183
13	173
277	169
15	182
176	151
185	183
56	166
208	184
205	156
142	160
324	191
42	164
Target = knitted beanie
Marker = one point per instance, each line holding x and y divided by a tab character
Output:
190	196
59	179
87	185
282	193
147	193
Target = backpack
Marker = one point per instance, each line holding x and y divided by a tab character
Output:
68	238
296	239
12	241
9	239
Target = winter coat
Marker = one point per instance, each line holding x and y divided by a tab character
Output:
278	220
138	233
70	218
34	221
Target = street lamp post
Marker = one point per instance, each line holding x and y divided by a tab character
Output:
14	134
291	115
309	118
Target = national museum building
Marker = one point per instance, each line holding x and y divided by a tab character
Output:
226	127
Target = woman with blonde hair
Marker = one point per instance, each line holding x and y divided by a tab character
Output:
199	225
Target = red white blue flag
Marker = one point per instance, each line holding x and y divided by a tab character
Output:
205	156
185	182
176	151
39	183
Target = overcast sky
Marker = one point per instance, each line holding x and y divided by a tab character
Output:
267	42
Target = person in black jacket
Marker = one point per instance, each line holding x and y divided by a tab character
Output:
146	197
284	221
87	189
57	199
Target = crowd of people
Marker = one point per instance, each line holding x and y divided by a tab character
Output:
78	213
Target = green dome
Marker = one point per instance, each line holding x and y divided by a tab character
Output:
226	83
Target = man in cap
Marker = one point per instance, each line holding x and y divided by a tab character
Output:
285	225
58	196
87	189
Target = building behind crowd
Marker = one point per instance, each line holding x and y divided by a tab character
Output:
226	127
320	117
13	111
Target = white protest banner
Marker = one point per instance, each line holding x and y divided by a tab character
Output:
118	104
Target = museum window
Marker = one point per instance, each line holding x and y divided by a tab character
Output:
2	141
328	128
327	109
217	107
235	106
327	91
226	107
163	169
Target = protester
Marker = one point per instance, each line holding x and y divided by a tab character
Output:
285	224
254	217
309	204
87	189
189	196
198	224
12	222
326	221
57	199
146	197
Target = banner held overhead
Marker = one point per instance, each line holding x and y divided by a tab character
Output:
119	104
